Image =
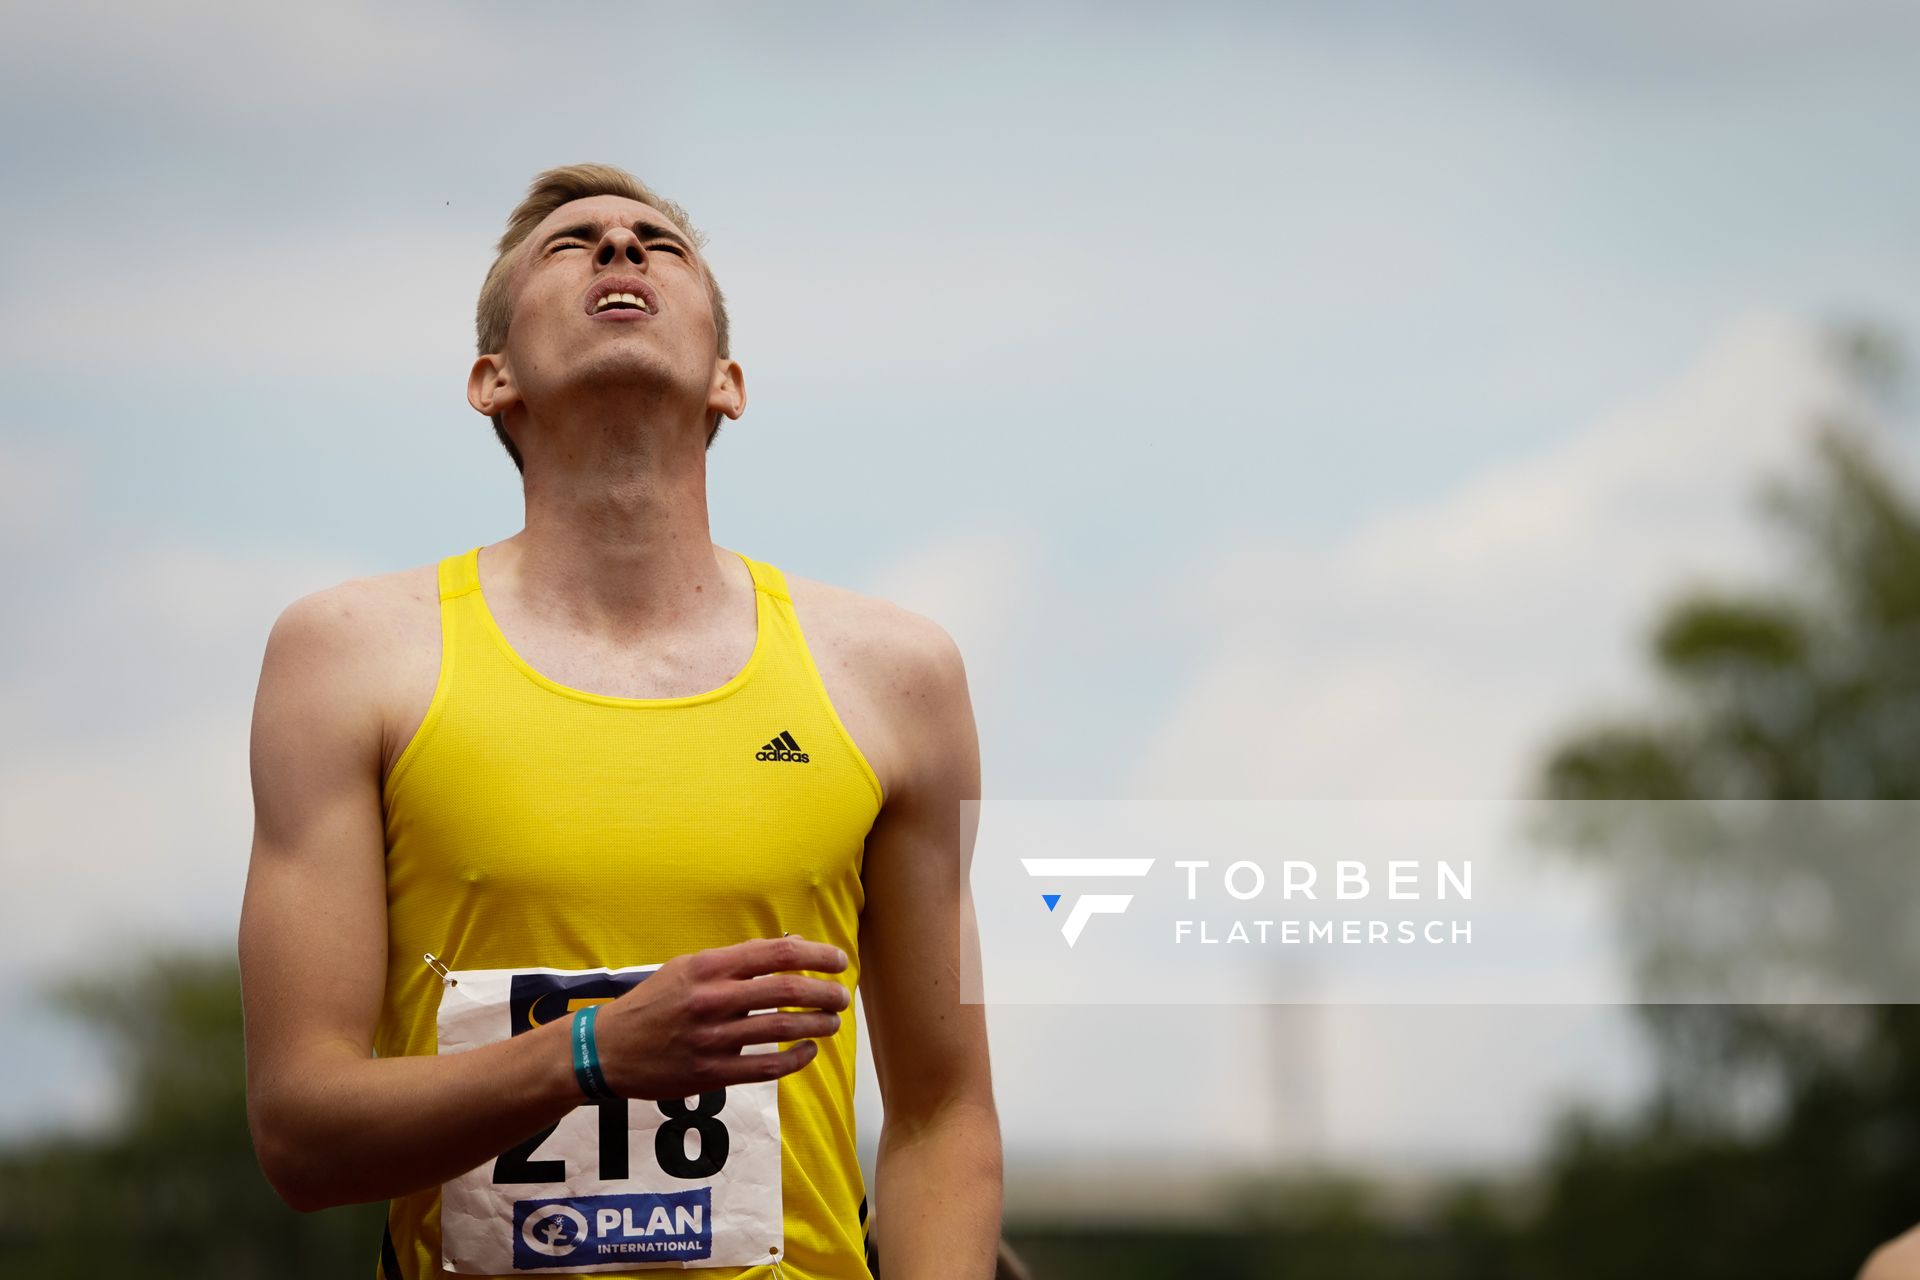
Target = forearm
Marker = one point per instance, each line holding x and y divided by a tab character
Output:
938	1195
358	1129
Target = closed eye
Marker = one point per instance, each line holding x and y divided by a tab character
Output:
574	244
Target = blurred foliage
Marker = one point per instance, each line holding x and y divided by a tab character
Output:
175	1190
1783	1140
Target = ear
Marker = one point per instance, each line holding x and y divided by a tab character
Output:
490	386
728	392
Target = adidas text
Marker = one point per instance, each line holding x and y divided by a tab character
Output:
783	747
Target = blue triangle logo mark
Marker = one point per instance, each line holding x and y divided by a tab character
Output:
1051	899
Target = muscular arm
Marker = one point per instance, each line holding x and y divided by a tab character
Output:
938	1177
333	1125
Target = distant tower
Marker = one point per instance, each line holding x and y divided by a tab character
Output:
1295	1065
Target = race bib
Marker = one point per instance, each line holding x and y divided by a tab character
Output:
612	1186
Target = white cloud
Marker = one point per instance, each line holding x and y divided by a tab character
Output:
1426	653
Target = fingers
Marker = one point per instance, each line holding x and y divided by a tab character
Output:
778	955
765	973
786	991
772	1028
750	1067
715	1017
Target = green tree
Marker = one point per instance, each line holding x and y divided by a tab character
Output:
175	1190
1784	1139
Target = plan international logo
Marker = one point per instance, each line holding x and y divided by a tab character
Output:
582	1231
1087	905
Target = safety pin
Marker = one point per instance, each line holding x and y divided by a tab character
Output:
446	975
448	981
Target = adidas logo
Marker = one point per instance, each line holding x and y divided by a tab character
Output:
783	747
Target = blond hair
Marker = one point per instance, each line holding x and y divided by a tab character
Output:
548	192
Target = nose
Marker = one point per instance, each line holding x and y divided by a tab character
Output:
618	241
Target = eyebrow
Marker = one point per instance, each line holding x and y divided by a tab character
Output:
642	228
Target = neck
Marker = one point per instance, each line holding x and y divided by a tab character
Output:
617	538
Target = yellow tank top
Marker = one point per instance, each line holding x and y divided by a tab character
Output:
539	829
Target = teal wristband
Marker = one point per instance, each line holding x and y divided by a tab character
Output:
586	1057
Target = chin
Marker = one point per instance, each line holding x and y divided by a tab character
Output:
637	378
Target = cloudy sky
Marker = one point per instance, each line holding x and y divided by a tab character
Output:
1272	402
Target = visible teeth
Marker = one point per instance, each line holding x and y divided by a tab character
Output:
630	299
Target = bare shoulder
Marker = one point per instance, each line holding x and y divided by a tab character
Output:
1897	1259
374	640
879	635
360	618
895	676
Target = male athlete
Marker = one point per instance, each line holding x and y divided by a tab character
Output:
571	849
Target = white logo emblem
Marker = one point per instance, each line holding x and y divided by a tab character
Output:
1088	905
555	1230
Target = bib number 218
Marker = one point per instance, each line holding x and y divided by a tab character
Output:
700	1121
610	1186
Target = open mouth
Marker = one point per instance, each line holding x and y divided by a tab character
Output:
621	302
